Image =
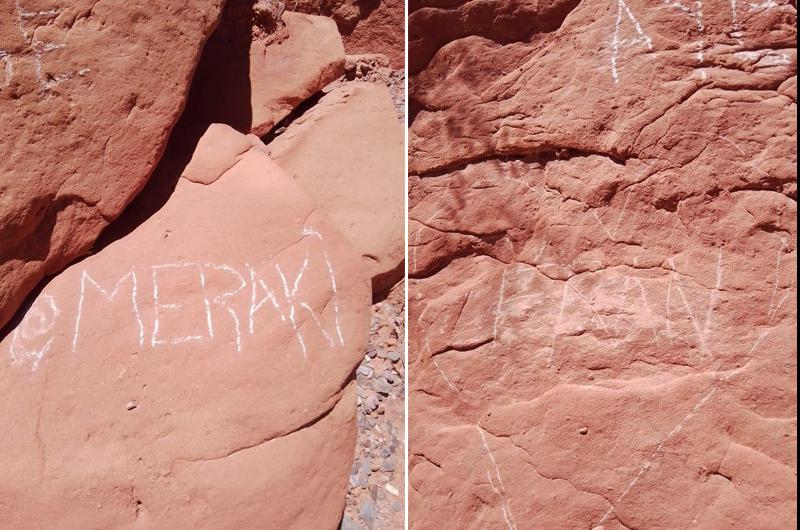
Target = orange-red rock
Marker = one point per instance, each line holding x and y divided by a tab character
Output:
256	70
603	258
89	92
347	152
367	26
196	373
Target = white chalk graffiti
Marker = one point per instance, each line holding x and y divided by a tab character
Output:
39	321
37	47
190	302
694	10
617	42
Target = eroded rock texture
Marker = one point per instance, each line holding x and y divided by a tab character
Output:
603	261
89	92
197	372
367	26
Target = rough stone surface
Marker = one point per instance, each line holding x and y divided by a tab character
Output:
89	92
185	378
603	269
367	26
256	70
358	181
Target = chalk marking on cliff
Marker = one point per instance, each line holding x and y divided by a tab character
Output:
505	506
783	246
156	305
610	237
555	327
154	341
621	214
497	307
700	333
311	231
335	302
645	467
696	13
295	326
712	297
616	42
270	296
318	323
44	325
590	305
220	300
647	307
491	482
750	163
444	376
110	297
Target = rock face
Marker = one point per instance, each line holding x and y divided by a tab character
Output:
89	93
256	70
367	26
347	152
603	260
196	373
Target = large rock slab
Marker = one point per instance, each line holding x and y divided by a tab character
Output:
88	96
261	64
197	373
602	231
347	151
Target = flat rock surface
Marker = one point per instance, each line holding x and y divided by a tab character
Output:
89	92
347	151
147	383
603	269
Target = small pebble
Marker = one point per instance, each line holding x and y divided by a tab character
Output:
583	430
368	513
349	524
391	489
388	464
397	506
366	371
131	405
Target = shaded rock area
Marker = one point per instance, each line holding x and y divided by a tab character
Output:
284	61
199	369
603	265
89	92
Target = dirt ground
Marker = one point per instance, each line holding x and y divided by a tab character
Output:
377	478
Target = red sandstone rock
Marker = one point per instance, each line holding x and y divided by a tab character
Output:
603	258
255	71
367	26
88	95
347	152
196	373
